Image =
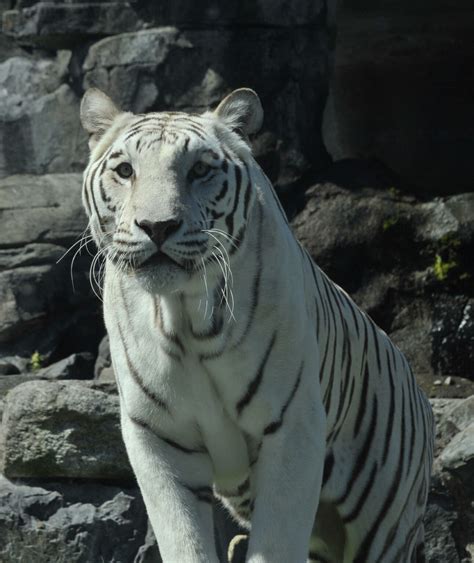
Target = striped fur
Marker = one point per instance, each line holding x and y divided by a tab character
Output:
244	372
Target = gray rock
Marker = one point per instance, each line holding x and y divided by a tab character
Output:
41	209
34	254
54	429
440	545
43	136
76	366
452	416
53	24
45	299
210	13
457	459
405	262
103	360
24	79
75	521
167	68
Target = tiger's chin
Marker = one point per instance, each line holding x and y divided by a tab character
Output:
160	274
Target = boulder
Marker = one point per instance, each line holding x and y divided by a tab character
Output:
75	366
74	521
260	13
53	24
46	301
457	459
56	429
43	136
452	416
404	261
170	69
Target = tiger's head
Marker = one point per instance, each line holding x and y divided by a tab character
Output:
169	193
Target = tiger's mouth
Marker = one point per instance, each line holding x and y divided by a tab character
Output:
159	258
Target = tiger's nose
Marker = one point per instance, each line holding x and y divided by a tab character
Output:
159	231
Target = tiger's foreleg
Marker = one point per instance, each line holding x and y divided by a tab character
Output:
288	484
176	488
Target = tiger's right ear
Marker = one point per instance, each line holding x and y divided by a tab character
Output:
98	112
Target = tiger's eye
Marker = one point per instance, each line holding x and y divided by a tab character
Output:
124	170
200	169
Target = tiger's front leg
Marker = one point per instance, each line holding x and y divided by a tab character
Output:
288	484
176	486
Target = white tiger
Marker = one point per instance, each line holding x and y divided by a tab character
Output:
243	371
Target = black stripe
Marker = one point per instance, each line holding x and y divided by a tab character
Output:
328	467
364	549
388	432
363	453
255	383
160	402
363	497
170	442
230	218
362	400
203	494
274	426
222	191
377	346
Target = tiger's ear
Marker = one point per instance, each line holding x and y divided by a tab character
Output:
241	109
98	112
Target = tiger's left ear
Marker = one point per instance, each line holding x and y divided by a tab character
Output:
241	109
98	112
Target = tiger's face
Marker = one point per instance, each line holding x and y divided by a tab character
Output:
169	194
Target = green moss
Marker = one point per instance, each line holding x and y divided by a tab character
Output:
390	222
442	268
36	361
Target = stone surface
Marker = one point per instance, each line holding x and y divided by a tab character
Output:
210	13
74	521
69	23
75	366
43	136
457	459
56	429
404	261
135	69
46	301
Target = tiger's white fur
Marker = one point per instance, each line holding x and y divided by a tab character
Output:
243	371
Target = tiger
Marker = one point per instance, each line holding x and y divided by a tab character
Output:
244	373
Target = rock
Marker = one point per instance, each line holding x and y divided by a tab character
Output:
289	74
457	459
75	521
209	13
76	366
46	303
8	366
8	382
23	79
405	262
43	136
103	360
53	24
456	416
440	546
55	429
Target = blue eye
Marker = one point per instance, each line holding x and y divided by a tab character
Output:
124	170
200	169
